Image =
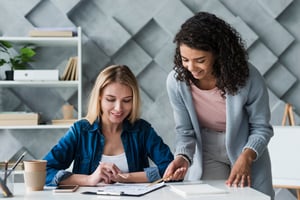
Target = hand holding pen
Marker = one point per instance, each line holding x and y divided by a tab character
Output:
177	169
180	172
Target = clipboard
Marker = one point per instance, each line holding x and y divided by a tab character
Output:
126	189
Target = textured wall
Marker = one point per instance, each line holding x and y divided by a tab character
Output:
139	34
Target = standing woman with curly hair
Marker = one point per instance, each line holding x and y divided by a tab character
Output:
220	106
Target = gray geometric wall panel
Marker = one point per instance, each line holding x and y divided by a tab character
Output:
140	34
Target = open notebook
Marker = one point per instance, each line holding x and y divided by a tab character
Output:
196	189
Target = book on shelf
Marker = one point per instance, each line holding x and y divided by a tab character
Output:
70	72
186	190
74	69
67	69
63	121
18	118
53	32
18	115
18	122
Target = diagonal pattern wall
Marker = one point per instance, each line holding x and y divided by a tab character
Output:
140	34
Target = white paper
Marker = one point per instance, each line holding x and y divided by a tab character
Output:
196	189
133	189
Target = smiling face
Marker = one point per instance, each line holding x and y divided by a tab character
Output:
198	62
116	103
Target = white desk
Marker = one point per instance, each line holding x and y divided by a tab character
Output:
163	193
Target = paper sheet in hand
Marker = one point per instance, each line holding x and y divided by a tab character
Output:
123	189
197	189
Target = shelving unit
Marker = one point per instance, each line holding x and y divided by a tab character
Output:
72	42
39	83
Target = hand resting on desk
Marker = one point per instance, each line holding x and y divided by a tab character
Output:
240	175
107	173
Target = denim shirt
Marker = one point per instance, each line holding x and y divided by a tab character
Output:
83	143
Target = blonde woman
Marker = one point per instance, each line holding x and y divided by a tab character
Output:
112	144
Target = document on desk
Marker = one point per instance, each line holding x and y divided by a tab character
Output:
196	189
126	189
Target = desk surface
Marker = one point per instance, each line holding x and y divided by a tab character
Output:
163	193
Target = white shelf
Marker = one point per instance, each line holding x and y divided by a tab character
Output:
43	41
72	42
39	83
46	126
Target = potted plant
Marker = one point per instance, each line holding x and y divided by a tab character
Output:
16	61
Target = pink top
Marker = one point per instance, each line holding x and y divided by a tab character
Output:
210	108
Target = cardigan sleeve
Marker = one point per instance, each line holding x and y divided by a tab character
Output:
257	106
185	134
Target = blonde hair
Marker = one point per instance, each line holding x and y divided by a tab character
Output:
112	74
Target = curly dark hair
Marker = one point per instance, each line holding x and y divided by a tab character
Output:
206	32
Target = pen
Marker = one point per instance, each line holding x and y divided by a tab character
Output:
16	163
158	181
125	176
167	178
5	172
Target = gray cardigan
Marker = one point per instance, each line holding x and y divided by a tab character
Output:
247	126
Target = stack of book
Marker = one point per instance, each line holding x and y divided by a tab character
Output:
63	121
18	118
71	72
53	32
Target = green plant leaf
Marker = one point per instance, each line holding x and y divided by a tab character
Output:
27	52
20	60
2	62
6	44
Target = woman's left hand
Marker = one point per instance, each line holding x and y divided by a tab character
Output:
240	174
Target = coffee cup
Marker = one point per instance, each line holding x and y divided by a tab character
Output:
35	174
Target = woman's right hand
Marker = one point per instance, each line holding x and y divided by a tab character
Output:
105	172
176	170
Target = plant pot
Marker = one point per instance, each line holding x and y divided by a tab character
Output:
9	75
